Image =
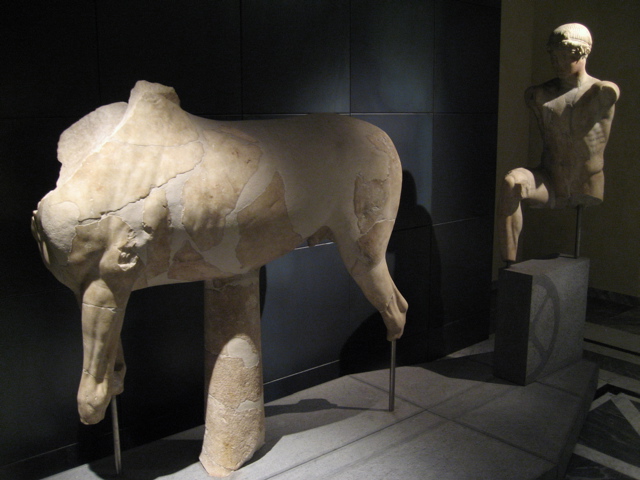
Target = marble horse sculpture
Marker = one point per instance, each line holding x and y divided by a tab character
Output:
149	194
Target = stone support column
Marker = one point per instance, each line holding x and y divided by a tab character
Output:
234	424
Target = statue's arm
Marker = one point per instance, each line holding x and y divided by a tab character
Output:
597	106
610	92
602	96
531	99
607	94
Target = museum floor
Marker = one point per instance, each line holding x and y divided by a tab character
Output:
453	420
609	443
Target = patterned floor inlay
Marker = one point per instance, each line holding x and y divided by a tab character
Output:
581	468
609	443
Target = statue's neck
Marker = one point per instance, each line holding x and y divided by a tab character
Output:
575	80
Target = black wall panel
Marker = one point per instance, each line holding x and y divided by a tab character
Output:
49	59
306	301
37	351
295	56
460	273
29	168
459	279
423	70
464	152
392	56
467	57
193	47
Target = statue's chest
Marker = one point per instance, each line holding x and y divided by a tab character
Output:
558	116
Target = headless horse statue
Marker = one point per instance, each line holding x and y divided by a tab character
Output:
149	195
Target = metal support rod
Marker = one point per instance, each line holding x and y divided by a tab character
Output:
579	209
117	454
392	377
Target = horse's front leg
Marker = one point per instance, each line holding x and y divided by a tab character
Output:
103	365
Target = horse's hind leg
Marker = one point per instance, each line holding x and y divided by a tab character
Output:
381	291
366	262
103	365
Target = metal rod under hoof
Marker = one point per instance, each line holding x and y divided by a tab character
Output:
392	377
117	454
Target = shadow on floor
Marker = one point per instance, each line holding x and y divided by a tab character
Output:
165	458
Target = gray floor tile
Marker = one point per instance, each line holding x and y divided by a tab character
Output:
475	427
424	447
426	387
472	352
535	418
320	420
573	379
471	399
170	458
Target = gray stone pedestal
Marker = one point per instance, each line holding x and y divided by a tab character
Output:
540	317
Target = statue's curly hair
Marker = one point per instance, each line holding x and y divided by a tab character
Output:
571	35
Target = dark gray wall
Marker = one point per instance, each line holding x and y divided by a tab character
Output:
424	70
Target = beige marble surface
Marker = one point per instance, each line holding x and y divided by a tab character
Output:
149	194
574	113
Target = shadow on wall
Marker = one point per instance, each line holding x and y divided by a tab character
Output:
410	256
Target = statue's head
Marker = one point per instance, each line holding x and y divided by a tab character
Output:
573	37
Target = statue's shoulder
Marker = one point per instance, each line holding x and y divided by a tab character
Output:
536	95
608	89
601	94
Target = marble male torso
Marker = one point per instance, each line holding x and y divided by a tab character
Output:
575	124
